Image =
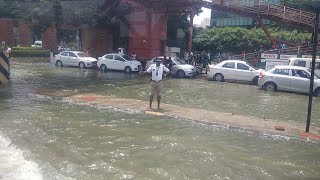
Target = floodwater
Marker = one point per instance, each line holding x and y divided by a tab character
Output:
46	137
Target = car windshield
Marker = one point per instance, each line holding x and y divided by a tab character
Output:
178	61
126	57
82	54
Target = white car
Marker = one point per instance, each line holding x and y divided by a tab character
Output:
118	62
234	70
37	44
176	67
74	58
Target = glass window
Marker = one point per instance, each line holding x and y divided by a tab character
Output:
127	57
108	56
170	62
72	54
281	71
242	67
118	58
83	55
317	65
64	54
300	73
229	65
300	63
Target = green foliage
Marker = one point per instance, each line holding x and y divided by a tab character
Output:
8	10
25	48
237	39
30	53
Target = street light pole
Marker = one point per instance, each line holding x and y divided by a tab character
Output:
316	6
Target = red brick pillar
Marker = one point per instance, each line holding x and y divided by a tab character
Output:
49	38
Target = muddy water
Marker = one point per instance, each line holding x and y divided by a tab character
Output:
44	137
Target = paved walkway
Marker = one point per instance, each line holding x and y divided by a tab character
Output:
252	124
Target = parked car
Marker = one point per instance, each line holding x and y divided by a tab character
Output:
118	62
303	62
288	78
74	58
234	70
176	66
37	44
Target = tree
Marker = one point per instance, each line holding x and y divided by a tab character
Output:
237	39
8	10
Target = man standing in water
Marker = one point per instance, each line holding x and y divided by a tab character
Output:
157	72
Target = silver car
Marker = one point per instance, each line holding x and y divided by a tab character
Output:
74	58
288	78
176	66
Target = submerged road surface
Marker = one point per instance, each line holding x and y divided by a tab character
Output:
65	135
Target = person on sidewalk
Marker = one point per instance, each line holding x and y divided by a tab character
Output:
157	72
9	51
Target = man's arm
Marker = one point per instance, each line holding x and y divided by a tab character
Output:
166	70
148	71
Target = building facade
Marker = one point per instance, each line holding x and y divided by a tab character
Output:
142	31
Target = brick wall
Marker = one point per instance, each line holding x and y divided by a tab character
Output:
25	34
96	39
148	32
49	39
6	31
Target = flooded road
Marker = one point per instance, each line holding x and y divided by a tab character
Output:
46	137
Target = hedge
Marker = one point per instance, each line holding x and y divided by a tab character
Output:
30	53
26	48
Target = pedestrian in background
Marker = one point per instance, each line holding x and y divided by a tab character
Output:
9	51
134	56
190	59
88	52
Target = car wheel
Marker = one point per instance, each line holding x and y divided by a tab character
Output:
82	65
127	69
59	63
255	80
103	68
317	92
271	87
218	77
181	74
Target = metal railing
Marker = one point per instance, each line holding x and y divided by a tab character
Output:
262	8
298	50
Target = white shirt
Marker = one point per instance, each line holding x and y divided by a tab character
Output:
157	71
9	50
